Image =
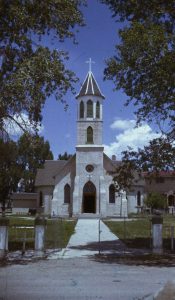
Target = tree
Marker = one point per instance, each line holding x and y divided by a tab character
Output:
64	156
20	160
143	64
147	160
143	67
155	201
29	71
10	170
32	153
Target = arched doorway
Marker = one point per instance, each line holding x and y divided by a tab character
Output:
89	198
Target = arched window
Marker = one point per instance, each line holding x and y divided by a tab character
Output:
138	198
98	110
89	109
89	135
67	194
111	193
81	110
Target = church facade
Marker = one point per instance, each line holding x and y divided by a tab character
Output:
84	184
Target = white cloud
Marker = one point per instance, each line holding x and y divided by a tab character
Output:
133	137
14	129
123	124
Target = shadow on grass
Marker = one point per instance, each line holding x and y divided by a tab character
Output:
103	246
129	245
133	259
18	245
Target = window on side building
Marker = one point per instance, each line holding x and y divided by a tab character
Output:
111	193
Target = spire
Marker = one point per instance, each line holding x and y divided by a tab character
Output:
90	86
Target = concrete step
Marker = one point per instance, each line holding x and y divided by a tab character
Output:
88	216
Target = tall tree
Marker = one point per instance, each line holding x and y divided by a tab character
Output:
64	156
144	61
32	153
10	171
143	66
30	71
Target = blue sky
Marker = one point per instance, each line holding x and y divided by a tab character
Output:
96	40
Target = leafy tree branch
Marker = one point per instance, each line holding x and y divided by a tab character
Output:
30	72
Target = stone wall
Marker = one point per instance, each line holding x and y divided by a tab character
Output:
82	126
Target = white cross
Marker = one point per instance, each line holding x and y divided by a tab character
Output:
90	62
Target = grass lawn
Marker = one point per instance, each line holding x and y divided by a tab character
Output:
58	232
137	233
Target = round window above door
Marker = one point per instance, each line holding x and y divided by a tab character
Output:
89	168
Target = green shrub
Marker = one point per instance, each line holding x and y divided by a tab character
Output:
155	201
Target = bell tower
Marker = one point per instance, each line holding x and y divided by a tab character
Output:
89	148
89	112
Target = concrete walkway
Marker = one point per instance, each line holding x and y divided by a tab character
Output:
85	240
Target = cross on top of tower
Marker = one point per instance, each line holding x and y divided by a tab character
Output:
90	62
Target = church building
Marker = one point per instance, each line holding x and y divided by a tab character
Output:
84	184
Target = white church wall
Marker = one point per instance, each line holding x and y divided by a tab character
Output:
85	157
93	157
112	209
82	132
103	197
58	206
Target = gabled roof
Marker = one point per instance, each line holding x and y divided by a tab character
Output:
90	87
111	169
45	176
111	165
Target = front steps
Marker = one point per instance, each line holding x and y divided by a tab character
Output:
88	216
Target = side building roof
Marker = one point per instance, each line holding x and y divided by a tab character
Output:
111	169
45	176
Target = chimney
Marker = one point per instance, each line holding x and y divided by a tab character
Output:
113	157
